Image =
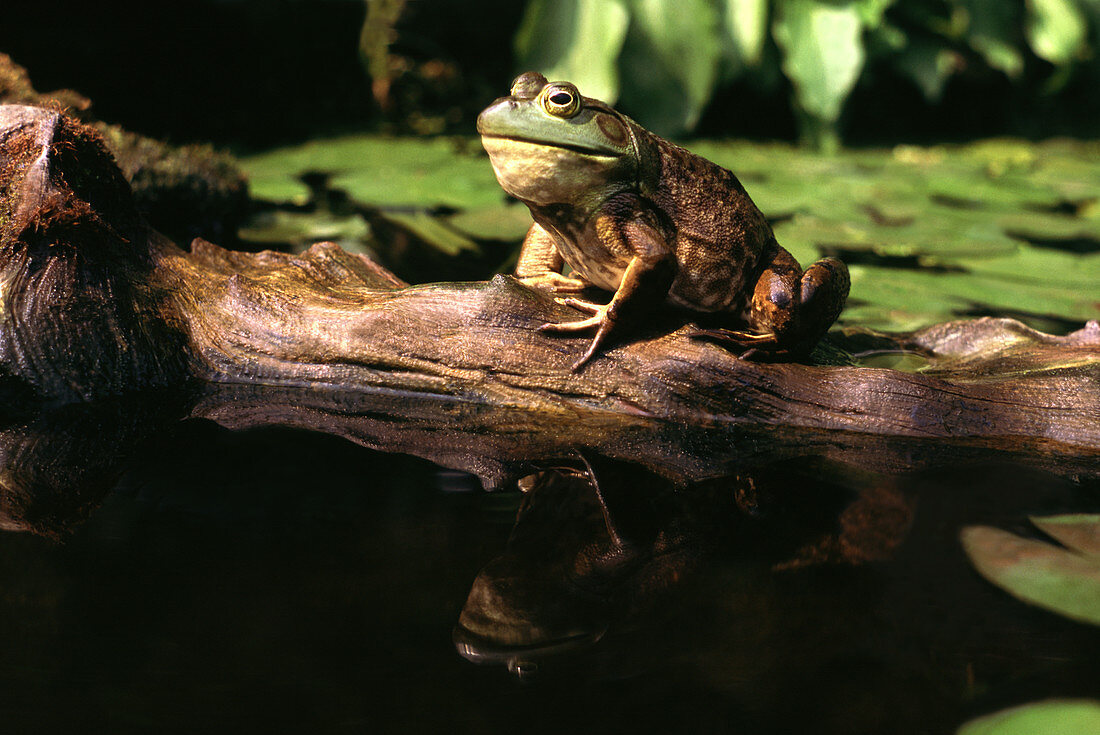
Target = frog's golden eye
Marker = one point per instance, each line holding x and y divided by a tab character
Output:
561	100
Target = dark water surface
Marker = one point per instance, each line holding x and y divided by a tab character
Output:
281	581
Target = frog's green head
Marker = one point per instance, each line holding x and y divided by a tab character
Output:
550	145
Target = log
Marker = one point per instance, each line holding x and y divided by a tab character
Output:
93	303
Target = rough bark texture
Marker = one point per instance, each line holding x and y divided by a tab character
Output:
93	303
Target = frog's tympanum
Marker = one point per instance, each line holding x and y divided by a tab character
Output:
632	213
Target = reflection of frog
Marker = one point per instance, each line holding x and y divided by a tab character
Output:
634	214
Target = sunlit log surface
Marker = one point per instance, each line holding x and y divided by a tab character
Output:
93	303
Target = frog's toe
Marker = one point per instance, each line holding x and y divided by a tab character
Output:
601	333
555	282
749	338
737	337
602	319
582	305
580	326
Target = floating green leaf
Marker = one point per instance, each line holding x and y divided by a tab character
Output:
1052	717
1000	227
1065	580
379	171
1080	532
498	222
575	40
432	230
302	229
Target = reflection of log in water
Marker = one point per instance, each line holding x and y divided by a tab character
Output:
815	574
95	304
58	464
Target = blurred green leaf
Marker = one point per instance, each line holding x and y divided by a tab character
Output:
928	64
999	55
575	40
1056	29
746	28
1052	717
871	12
375	37
669	63
1065	580
994	32
658	55
885	39
823	54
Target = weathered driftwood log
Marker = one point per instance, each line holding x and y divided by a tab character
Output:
92	303
180	189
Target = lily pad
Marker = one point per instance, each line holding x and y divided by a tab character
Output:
379	171
498	222
300	229
1064	579
998	227
1051	717
432	230
1080	532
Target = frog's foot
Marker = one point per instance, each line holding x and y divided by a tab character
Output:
751	338
748	345
736	338
790	310
555	282
602	318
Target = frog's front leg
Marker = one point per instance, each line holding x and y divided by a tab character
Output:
540	264
646	281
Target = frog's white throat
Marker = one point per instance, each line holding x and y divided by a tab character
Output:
545	174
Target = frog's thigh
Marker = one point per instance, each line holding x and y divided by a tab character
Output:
777	297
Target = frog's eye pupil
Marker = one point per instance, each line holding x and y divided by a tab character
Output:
561	100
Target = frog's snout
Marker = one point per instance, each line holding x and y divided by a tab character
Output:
493	114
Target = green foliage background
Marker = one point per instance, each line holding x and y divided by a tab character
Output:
664	60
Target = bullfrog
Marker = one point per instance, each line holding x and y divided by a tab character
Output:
634	214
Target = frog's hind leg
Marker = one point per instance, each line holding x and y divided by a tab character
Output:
772	314
790	310
774	311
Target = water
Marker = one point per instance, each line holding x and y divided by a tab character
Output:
283	581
